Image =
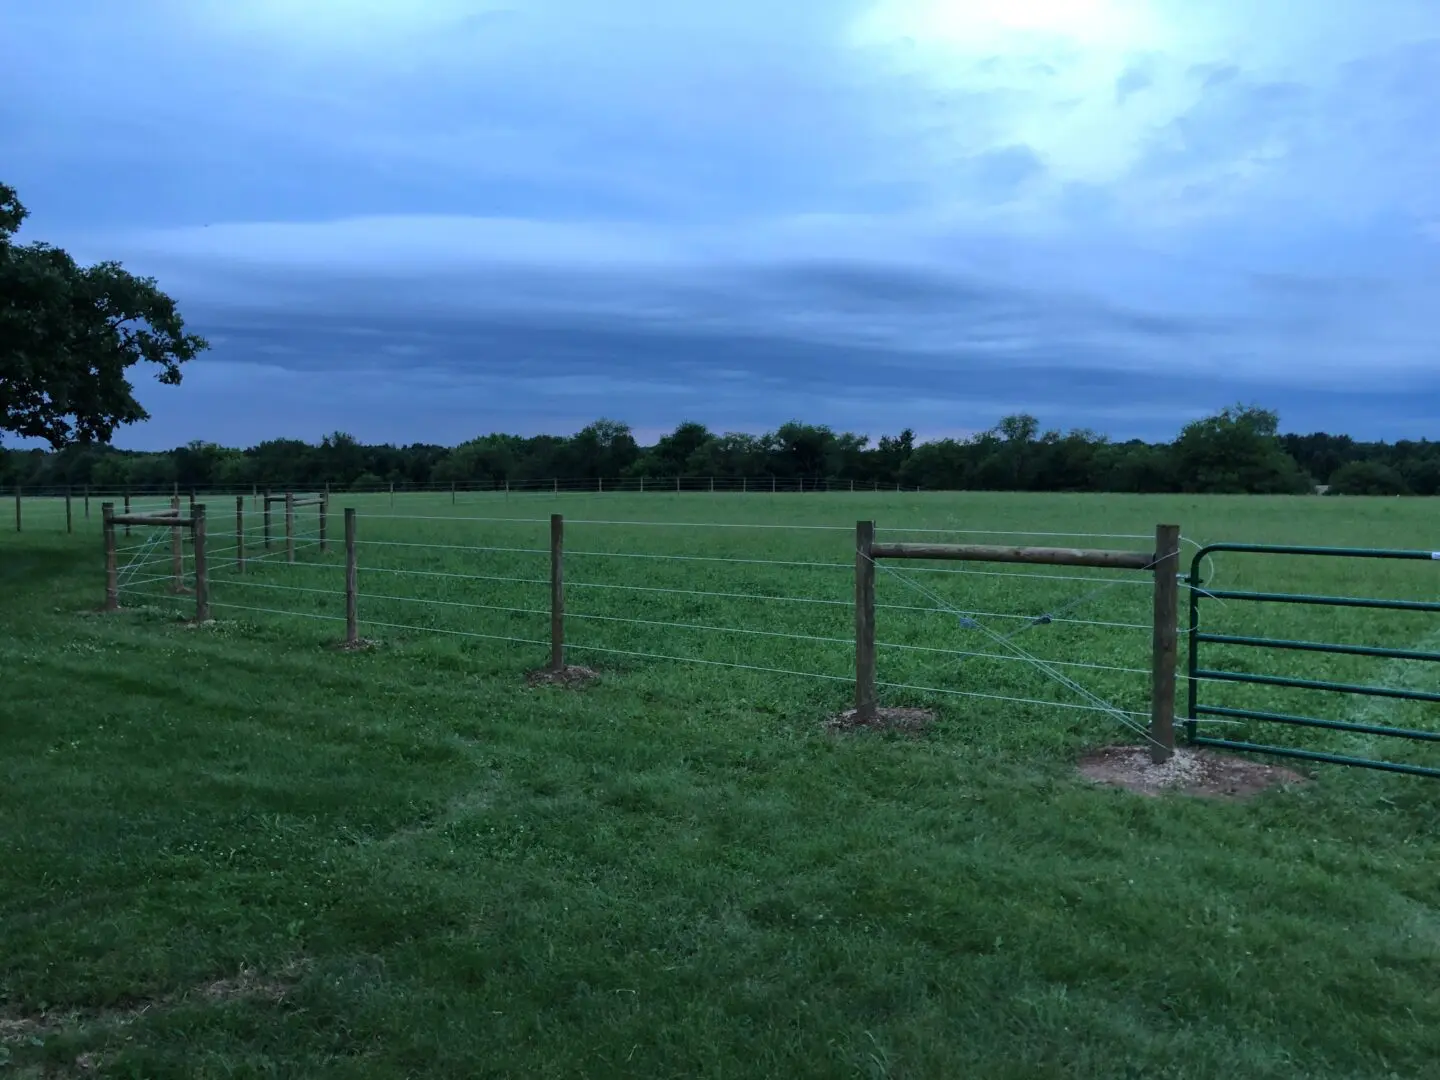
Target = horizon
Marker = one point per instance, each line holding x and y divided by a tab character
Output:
414	221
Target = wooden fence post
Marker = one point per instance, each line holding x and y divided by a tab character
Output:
69	513
112	574
87	502
1165	650
289	526
265	528
202	566
352	580
452	492
325	521
557	592
240	534
127	509
177	550
864	621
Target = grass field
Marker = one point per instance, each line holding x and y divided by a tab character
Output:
234	851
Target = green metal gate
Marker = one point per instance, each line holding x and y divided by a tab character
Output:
1199	674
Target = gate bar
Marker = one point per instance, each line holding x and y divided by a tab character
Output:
1325	601
1315	755
1319	646
1314	684
1310	721
1338	552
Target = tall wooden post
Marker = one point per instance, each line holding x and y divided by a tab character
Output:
865	695
202	565
177	550
289	526
240	534
87	502
69	513
352	580
112	573
1165	649
127	509
325	521
452	492
557	592
265	525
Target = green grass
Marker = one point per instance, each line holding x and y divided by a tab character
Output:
677	872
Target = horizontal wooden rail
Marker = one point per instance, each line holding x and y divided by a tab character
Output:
171	520
1097	557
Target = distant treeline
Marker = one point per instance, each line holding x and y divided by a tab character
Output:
1238	450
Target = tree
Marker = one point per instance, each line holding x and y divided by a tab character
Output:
68	336
1237	451
1367	478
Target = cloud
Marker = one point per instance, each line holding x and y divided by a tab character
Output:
1131	81
951	205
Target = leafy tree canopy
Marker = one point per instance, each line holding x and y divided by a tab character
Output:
69	335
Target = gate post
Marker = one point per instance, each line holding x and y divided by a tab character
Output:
1165	643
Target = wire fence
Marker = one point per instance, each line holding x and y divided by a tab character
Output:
765	599
771	603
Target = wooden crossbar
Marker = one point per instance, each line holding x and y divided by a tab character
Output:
1037	556
169	519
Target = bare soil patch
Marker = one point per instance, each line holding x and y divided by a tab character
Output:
906	721
1189	772
358	645
247	984
571	677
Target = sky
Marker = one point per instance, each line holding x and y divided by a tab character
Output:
424	220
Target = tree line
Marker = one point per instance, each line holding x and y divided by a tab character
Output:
1237	451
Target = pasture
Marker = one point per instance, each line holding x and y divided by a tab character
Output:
237	850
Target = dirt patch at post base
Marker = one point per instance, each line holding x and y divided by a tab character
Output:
1189	772
571	676
358	645
905	721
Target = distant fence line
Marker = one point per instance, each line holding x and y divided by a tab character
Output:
81	495
757	484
